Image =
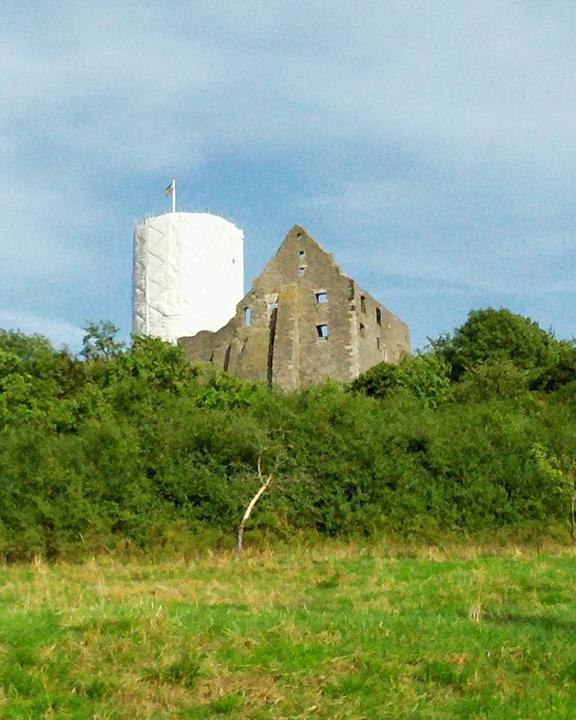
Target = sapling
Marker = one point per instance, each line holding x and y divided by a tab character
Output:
251	505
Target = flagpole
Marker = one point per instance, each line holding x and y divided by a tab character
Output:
173	195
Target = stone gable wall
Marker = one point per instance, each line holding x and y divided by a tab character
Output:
303	321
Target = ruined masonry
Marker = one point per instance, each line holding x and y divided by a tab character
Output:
302	322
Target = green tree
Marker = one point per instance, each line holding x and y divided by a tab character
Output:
99	341
559	370
496	380
424	376
490	336
34	378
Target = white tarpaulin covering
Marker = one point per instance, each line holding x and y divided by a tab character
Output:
188	274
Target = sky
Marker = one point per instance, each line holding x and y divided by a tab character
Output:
430	146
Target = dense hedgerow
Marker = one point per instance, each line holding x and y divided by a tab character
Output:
133	446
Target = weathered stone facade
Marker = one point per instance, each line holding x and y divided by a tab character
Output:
303	321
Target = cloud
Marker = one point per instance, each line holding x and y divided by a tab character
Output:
451	233
128	84
60	333
496	76
42	223
440	135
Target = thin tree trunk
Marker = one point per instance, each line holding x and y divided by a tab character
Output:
249	509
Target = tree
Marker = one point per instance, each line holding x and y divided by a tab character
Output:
496	380
424	376
490	336
153	362
100	341
34	352
560	370
34	376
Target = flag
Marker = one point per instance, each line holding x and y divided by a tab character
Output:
170	189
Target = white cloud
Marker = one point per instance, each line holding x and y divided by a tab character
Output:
59	333
44	222
496	76
460	116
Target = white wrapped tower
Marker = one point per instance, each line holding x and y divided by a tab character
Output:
188	274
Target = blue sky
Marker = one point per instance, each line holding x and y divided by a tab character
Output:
430	146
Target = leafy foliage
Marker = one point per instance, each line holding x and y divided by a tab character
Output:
491	336
132	446
100	341
424	376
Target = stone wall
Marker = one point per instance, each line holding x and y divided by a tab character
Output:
303	321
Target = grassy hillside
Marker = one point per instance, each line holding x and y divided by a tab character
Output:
339	631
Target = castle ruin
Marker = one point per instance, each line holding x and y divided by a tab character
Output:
303	321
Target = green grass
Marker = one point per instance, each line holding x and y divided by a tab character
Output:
333	632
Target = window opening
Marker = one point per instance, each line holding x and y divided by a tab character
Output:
362	330
302	255
321	297
301	270
247	317
378	343
362	303
378	316
322	331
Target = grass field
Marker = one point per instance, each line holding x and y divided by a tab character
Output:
333	632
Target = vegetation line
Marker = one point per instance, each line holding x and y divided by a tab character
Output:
132	449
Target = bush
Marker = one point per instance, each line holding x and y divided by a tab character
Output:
139	449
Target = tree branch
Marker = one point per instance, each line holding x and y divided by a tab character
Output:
250	507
